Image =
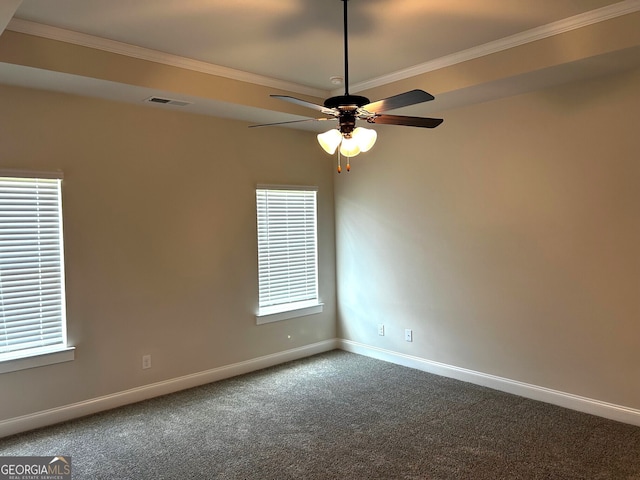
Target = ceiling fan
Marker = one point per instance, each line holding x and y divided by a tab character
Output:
346	109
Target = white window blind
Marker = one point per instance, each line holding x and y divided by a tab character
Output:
287	248
32	309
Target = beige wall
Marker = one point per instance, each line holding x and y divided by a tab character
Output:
508	239
160	240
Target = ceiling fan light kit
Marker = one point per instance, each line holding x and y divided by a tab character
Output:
360	140
330	140
346	109
365	137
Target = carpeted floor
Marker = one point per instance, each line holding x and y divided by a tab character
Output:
339	416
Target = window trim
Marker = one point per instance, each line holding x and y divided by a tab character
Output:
39	359
285	311
49	355
288	310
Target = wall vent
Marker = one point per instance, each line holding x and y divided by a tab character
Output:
167	101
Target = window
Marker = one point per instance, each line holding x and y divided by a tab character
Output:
32	304
287	252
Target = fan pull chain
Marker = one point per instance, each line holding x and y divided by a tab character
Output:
340	166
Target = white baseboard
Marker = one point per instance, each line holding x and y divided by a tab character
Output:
95	405
555	397
67	412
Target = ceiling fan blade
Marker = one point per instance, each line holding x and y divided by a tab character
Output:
405	99
292	121
304	103
407	121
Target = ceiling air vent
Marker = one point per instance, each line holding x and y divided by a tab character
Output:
167	101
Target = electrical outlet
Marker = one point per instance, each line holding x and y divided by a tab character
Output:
381	329
146	361
408	335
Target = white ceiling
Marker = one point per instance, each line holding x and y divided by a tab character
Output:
297	45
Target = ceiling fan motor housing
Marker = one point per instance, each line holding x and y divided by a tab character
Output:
347	105
343	101
347	121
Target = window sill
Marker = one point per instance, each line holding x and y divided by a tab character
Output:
40	359
285	312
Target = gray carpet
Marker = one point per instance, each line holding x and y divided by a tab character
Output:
339	416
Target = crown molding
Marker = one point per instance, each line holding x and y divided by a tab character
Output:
556	28
572	23
120	48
